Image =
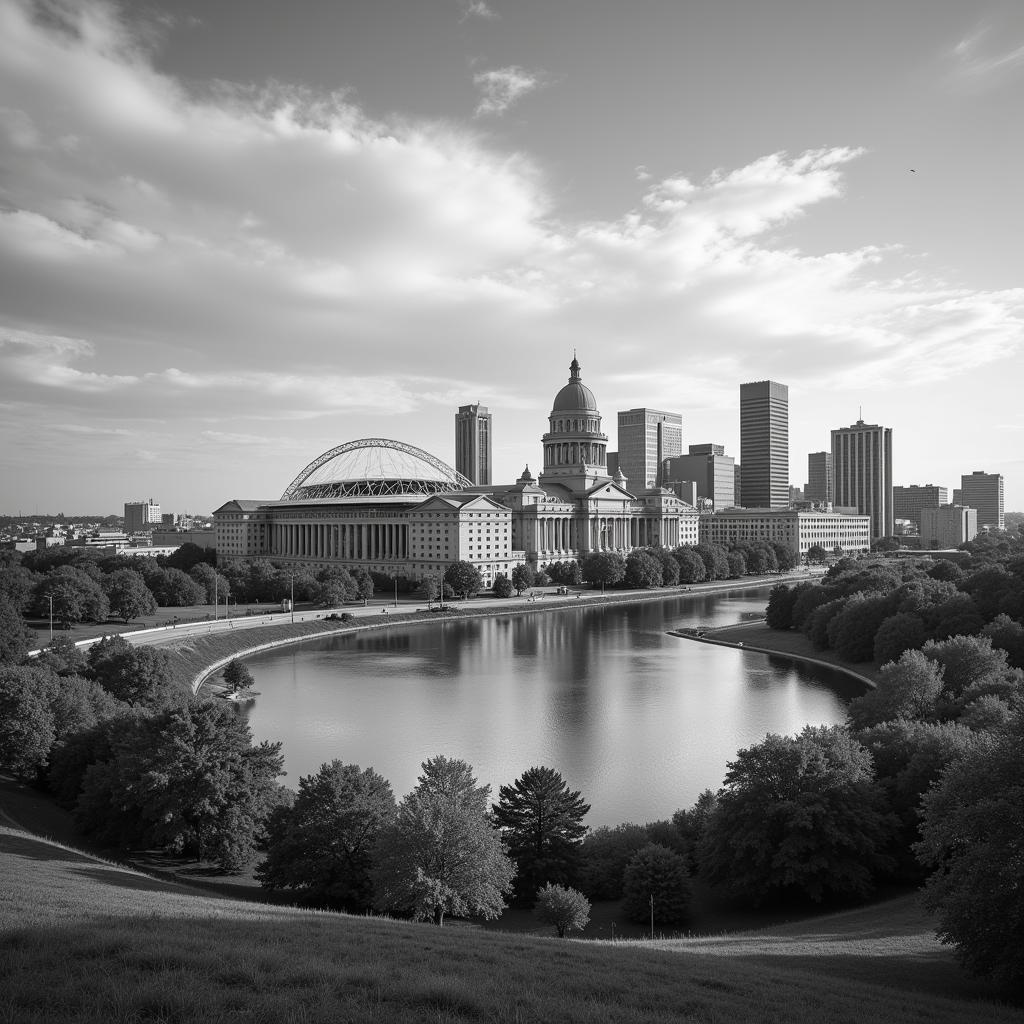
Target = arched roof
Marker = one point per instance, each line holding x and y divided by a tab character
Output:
374	468
575	396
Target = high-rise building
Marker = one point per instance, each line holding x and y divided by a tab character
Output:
140	515
473	443
819	477
909	502
646	438
764	444
862	473
709	468
984	491
948	526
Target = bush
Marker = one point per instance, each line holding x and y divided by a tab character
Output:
567	909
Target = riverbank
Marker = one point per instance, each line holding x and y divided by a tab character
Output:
757	636
201	653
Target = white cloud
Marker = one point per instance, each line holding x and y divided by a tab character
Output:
982	58
500	88
475	9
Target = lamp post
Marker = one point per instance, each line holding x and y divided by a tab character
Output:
292	602
214	595
396	590
50	598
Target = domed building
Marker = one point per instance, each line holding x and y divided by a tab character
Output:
392	508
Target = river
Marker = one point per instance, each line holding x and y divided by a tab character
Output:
639	721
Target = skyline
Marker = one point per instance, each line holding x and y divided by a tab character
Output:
232	240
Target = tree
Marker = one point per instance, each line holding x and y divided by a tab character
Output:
642	570
441	855
16	639
541	822
785	557
502	586
691	566
716	564
901	632
173	588
429	588
187	779
63	657
816	554
128	595
657	873
522	577
604	854
603	568
237	676
907	689
852	632
884	544
669	565
964	660
188	556
779	613
215	585
971	839
691	824
1008	634
798	815
464	578
364	583
136	675
567	909
320	847
76	598
17	584
26	718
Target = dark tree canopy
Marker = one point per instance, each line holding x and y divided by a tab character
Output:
691	565
907	689
522	577
237	676
798	815
971	833
136	675
502	586
128	595
541	822
320	847
16	639
464	578
642	570
603	568
27	727
604	854
658	873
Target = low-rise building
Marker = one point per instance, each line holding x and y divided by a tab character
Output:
799	531
948	526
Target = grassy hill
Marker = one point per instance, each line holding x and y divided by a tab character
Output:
85	940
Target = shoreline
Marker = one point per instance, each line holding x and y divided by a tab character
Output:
484	607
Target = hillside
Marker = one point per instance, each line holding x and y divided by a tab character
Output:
85	940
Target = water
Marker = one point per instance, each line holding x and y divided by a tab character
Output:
637	720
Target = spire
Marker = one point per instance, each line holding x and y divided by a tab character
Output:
574	369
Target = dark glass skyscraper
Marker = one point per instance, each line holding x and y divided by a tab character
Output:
473	443
862	471
764	444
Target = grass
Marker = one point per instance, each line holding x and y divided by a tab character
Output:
84	940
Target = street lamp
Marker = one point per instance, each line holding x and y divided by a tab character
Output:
50	598
214	595
396	590
293	595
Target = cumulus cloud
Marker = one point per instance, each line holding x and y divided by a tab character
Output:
475	9
500	88
224	258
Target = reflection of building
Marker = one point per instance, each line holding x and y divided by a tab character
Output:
948	526
799	531
646	438
140	515
862	473
397	510
984	491
819	478
707	465
764	444
908	502
473	443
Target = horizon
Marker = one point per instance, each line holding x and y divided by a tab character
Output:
233	240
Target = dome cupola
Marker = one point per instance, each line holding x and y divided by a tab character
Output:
574	446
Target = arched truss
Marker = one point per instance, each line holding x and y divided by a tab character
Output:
378	480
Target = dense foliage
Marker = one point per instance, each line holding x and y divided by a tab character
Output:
656	886
567	909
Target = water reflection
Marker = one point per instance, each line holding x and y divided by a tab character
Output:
638	720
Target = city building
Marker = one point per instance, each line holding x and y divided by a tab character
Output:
709	468
948	526
797	530
141	515
862	473
473	443
646	438
764	444
984	492
201	538
819	478
908	502
394	509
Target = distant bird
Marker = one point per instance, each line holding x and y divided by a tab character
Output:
912	171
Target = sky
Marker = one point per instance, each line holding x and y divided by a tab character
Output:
235	235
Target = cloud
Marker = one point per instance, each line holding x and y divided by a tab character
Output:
502	87
475	9
981	58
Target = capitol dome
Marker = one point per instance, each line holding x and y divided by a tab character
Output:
575	396
377	469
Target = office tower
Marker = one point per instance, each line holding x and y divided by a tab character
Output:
140	515
646	438
473	443
709	468
984	491
908	502
862	473
948	526
819	477
764	444
737	485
